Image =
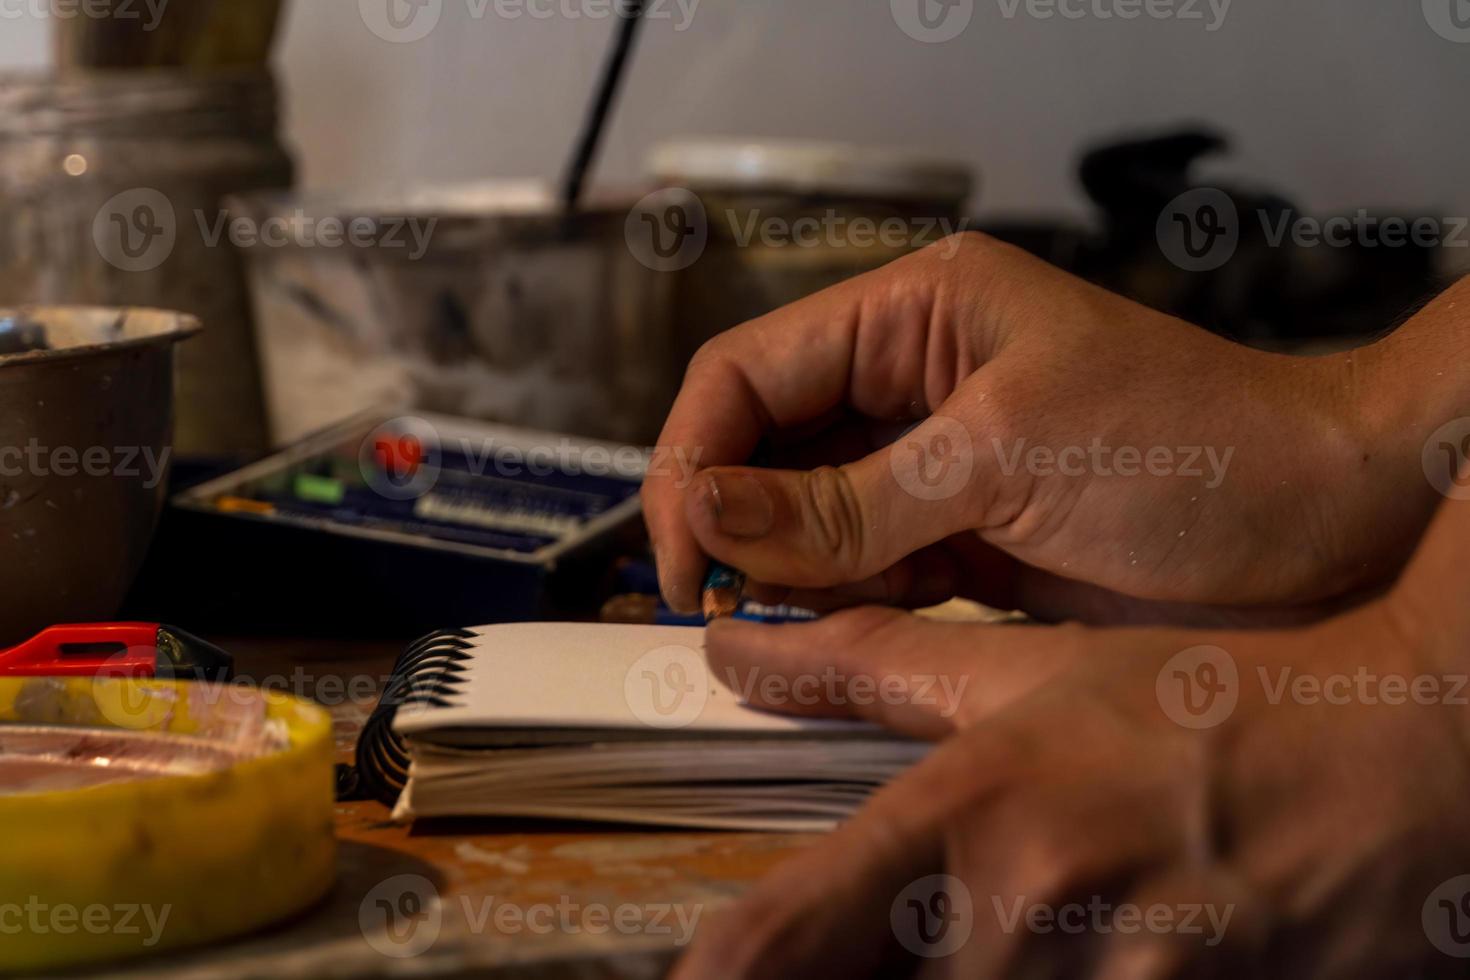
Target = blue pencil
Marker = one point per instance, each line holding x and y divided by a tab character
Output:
724	587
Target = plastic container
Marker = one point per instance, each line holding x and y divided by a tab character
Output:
222	824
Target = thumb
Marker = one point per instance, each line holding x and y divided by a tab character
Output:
836	525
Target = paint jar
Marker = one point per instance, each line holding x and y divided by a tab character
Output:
763	223
111	183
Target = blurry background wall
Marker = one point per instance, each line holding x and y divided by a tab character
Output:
1340	103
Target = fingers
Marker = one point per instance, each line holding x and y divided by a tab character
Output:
919	678
828	911
864	344
776	372
1086	811
962	566
1191	922
916	873
1004	853
837	525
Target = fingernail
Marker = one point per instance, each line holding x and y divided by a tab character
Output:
661	567
738	504
675	592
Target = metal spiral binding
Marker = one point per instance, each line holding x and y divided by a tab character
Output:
429	672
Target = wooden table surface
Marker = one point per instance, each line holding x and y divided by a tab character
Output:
473	899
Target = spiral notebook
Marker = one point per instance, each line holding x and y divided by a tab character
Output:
596	722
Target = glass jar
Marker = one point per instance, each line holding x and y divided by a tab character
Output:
111	184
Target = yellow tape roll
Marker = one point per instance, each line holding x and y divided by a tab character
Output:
194	857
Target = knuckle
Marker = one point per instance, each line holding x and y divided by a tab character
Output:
972	257
719	354
967	243
833	515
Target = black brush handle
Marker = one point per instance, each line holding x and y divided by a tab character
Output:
607	90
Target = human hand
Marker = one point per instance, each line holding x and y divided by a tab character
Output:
1126	803
1079	456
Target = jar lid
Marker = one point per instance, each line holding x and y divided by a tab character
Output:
810	167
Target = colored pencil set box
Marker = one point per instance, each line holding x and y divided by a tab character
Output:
394	526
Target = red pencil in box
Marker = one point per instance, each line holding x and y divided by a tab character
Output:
144	650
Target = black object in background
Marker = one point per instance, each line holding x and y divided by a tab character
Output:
607	90
1269	293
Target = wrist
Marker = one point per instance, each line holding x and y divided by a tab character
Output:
1399	430
1413	382
1351	461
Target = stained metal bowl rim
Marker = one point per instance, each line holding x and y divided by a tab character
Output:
183	326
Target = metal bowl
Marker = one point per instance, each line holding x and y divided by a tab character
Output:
86	414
